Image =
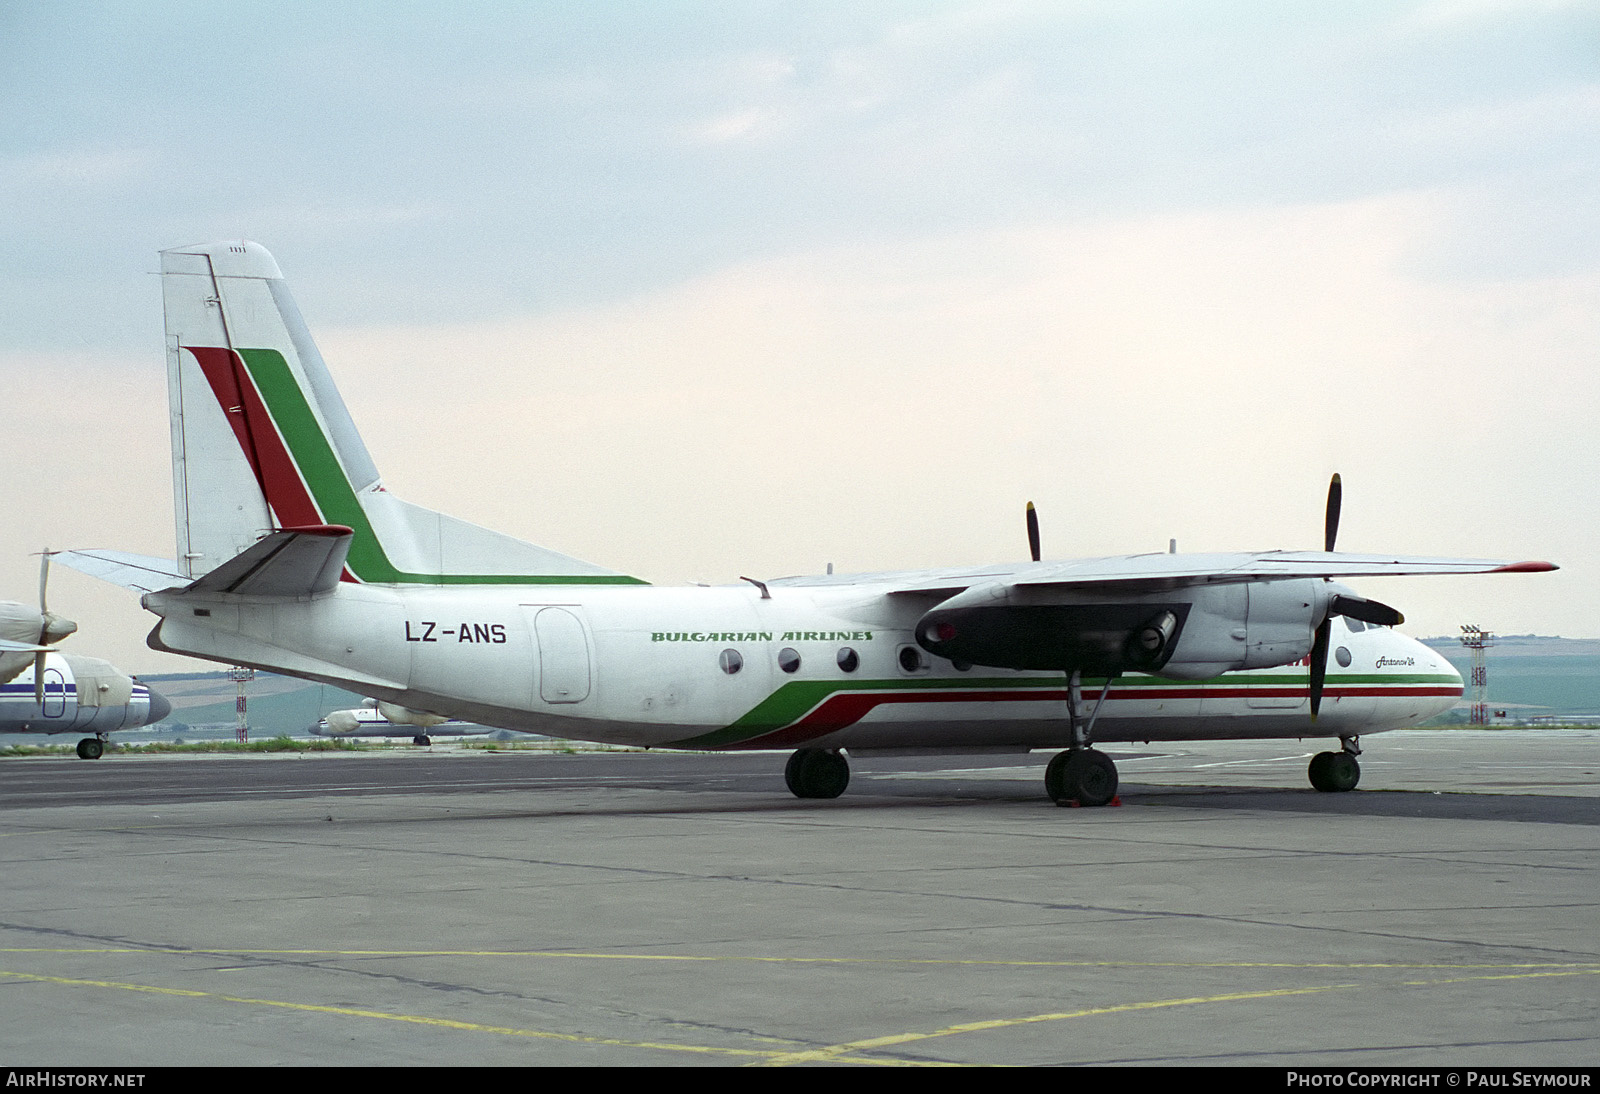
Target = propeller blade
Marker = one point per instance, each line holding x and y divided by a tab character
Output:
1033	532
44	628
1330	523
1368	611
1319	665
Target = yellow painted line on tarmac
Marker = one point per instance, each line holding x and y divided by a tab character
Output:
421	1020
837	1052
825	1054
1579	966
1505	976
840	1053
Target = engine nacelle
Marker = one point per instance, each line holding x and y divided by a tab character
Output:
405	716
342	722
1191	633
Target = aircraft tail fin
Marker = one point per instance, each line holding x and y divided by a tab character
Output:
262	442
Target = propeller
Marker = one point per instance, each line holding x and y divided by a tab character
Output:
44	628
1330	523
1033	532
1354	607
52	628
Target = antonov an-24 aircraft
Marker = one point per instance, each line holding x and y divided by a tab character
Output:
293	557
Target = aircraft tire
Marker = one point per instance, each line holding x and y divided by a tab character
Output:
816	773
1081	776
1334	772
422	739
1054	777
90	748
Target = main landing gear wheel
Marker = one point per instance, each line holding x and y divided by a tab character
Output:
1333	772
422	739
816	773
1083	776
90	748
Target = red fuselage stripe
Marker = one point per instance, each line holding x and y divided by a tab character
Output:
845	709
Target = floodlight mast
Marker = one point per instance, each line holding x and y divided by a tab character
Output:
1477	640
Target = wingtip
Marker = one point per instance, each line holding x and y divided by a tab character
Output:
1530	567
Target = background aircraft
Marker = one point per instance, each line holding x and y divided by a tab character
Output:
375	718
43	691
294	557
79	695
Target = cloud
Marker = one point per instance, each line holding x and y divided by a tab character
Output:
887	406
80	167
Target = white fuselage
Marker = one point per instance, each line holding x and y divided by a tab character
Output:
646	665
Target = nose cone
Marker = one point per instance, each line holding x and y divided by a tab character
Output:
159	708
1439	677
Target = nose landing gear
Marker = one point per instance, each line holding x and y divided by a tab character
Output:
90	748
1335	772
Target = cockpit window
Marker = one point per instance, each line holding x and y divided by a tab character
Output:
1355	625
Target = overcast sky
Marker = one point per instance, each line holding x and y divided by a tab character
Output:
695	290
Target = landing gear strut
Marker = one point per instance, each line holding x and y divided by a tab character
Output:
817	773
1333	772
90	748
1082	775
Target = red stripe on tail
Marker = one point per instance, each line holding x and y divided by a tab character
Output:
274	469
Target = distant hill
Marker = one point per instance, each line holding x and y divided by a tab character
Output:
1532	675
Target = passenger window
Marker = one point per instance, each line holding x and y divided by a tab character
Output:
789	659
731	661
849	660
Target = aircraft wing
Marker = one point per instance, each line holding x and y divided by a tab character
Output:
1155	572
140	573
1159	571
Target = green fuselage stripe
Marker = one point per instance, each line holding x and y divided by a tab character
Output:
330	487
794	700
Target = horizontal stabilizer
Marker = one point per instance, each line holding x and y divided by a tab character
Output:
140	573
291	562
